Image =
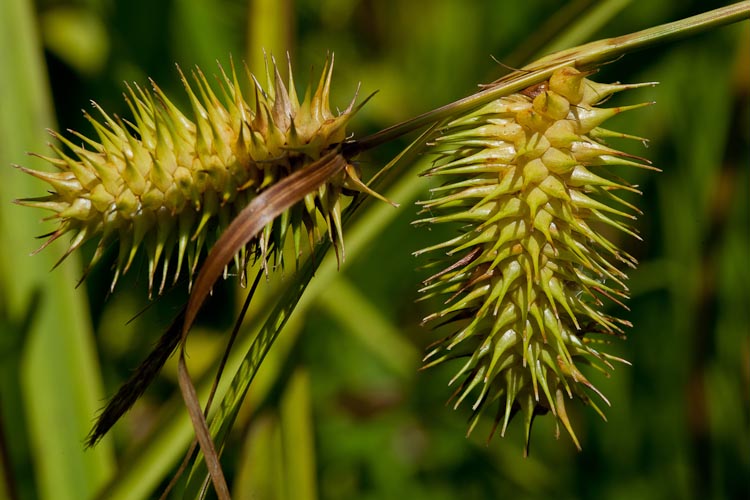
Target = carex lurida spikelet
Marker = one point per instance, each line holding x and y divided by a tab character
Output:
170	182
535	195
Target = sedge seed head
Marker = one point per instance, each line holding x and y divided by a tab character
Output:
168	182
525	281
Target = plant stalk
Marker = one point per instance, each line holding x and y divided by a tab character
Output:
582	56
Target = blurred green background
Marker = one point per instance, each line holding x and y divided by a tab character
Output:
339	409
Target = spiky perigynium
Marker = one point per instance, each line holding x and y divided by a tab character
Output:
529	187
166	181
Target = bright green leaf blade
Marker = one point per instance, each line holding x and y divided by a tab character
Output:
59	377
260	469
298	438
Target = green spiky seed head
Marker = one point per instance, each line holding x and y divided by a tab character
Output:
170	182
529	186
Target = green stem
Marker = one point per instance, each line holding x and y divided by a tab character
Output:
583	56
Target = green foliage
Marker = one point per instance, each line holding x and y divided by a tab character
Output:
338	405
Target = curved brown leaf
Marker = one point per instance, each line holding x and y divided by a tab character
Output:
248	223
252	219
